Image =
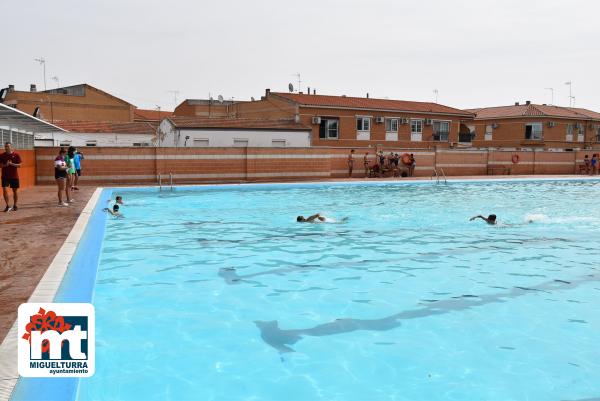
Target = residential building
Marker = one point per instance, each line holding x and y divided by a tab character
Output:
73	103
207	108
180	131
357	122
535	126
150	115
100	134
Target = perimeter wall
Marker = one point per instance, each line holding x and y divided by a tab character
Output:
105	166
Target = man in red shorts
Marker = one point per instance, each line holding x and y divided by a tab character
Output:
10	162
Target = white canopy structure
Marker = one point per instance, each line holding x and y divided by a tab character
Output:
19	127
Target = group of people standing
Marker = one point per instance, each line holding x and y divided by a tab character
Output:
385	163
67	170
591	165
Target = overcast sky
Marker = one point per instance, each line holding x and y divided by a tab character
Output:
475	52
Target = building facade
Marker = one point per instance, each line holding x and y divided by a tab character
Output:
358	122
100	134
177	131
74	103
529	126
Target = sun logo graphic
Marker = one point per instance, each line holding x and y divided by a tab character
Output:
56	340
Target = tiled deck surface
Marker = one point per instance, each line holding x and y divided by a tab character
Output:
31	237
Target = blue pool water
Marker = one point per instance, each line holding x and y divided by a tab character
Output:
218	294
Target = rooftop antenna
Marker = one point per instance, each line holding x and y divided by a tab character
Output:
175	93
551	95
299	81
55	79
291	87
220	97
436	94
42	62
570	94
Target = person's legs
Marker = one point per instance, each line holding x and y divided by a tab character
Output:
76	176
5	194
68	185
15	192
60	183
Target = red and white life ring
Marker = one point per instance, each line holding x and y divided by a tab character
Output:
515	159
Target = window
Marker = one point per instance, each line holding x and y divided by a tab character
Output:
416	130
240	142
441	130
533	131
64	144
363	123
489	129
391	125
136	144
570	130
200	142
91	143
329	128
278	143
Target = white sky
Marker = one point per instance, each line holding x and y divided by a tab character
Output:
475	52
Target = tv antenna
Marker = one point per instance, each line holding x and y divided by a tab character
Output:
436	94
551	95
299	81
291	87
570	94
55	79
42	62
175	93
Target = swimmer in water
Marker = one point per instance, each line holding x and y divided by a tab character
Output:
115	211
315	218
491	219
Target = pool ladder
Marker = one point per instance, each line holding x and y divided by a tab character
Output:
437	175
160	182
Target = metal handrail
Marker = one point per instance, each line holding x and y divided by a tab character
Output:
159	183
171	180
443	175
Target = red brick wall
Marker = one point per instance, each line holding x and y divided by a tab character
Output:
108	166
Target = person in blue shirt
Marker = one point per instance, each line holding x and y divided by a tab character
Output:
77	161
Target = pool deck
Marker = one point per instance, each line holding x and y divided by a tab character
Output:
31	237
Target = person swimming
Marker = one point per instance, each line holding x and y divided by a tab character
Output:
115	211
315	218
491	219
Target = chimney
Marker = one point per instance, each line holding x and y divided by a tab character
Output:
528	102
314	91
367	95
516	103
267	92
32	88
11	88
308	91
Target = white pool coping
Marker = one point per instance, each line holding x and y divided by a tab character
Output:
44	292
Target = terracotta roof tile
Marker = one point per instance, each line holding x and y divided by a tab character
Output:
108	127
371	103
233	123
533	110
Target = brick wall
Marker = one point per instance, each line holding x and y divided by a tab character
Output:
108	166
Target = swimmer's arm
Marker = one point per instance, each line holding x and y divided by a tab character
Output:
313	217
477	217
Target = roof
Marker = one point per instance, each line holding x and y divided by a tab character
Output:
72	90
90	127
370	103
16	119
533	110
150	115
235	123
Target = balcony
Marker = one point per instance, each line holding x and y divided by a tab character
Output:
440	136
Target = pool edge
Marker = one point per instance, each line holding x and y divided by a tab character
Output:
45	291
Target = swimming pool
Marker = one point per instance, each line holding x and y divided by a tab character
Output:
216	293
